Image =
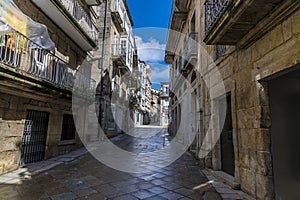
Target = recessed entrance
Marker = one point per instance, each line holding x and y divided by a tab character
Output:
284	96
226	139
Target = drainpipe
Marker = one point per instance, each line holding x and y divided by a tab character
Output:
100	64
104	36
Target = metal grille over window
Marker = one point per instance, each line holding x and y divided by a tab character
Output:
68	128
34	137
213	11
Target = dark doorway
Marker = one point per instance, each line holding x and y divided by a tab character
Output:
284	96
34	137
226	140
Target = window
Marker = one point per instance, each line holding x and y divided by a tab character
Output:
115	38
124	19
117	5
68	128
123	47
167	90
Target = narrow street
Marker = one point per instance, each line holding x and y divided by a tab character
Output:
151	99
87	178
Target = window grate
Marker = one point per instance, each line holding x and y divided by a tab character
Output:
68	128
34	137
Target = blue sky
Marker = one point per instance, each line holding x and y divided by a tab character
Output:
151	21
150	13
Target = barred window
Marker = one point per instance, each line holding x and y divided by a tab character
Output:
68	128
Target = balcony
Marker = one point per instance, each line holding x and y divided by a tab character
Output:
163	95
93	2
190	54
135	58
71	18
117	18
126	29
119	56
169	57
182	5
177	20
228	21
24	61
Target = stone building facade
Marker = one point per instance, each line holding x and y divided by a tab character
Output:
118	58
138	96
164	100
155	106
253	46
145	107
148	95
36	116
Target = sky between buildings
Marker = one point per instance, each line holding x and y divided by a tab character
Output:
151	22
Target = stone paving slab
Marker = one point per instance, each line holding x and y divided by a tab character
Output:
226	192
78	175
26	171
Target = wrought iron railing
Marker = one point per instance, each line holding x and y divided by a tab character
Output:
191	47
213	11
19	52
81	17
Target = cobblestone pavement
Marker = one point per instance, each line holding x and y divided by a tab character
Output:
87	178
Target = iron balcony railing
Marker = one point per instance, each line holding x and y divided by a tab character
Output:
81	17
191	47
19	52
213	11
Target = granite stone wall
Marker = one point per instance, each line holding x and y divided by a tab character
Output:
245	72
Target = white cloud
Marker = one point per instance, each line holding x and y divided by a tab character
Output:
159	73
151	50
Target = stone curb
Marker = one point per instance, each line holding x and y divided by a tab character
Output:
224	190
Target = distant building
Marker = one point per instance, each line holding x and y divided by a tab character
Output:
138	95
148	95
119	58
164	99
155	106
145	98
